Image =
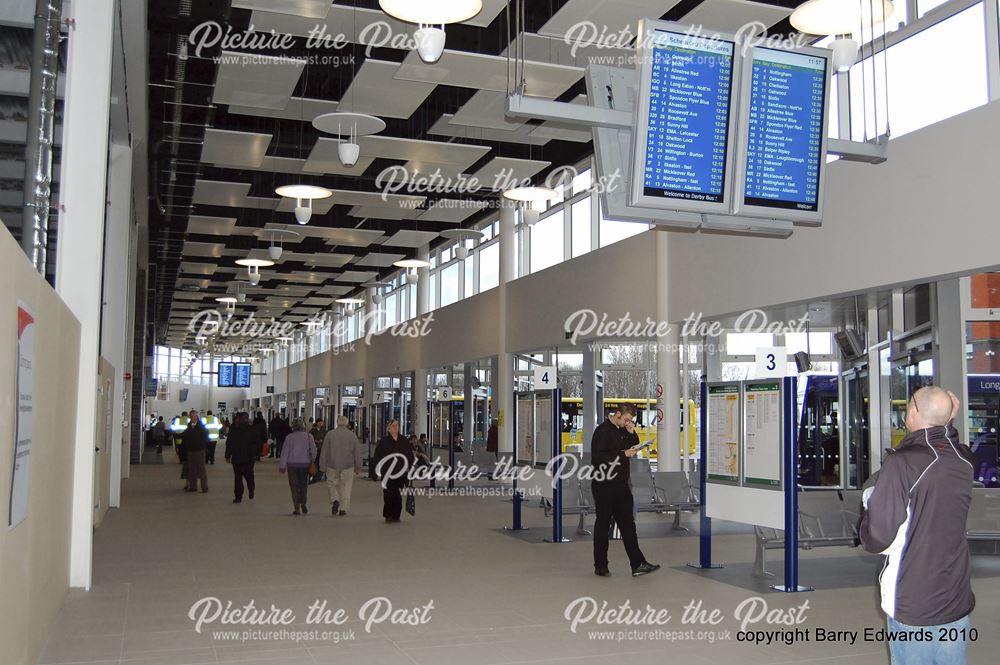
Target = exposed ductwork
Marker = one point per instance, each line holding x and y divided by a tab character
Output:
41	132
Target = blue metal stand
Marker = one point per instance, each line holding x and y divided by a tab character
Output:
518	498
705	522
557	512
791	488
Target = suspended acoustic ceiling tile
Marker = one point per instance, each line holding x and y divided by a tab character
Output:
374	90
334	290
443	127
342	25
357	276
377	260
382	212
323	159
418	169
731	15
491	9
291	290
256	80
408	238
288	165
216	193
485	109
452	211
204	225
556	51
488	72
300	277
304	8
595	18
189	295
319	206
504	172
346	237
328	260
392	147
210	250
297	108
353	198
192	268
565	132
317	301
230	148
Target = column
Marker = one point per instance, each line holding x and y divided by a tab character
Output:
591	408
80	250
505	360
420	374
875	416
116	323
667	368
949	348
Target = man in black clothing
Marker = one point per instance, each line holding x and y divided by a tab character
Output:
613	445
243	447
195	442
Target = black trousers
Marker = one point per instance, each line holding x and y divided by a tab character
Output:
243	472
392	506
298	482
614	501
210	452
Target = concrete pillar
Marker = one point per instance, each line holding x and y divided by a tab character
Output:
667	370
877	421
949	348
505	360
80	251
591	409
420	374
115	322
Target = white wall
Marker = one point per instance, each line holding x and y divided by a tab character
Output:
197	399
928	212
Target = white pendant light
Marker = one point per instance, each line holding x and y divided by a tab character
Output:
530	194
462	236
253	268
839	17
411	263
412	277
434	12
276	237
845	53
348	126
304	195
376	289
431	16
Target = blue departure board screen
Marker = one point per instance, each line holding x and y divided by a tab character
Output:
690	88
785	130
242	375
226	372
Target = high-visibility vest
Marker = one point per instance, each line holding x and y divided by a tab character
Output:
213	425
178	425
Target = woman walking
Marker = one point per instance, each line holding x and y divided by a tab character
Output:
392	472
297	456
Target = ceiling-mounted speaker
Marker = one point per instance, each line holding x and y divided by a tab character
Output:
802	362
303	214
254	278
430	43
274	252
462	252
348	153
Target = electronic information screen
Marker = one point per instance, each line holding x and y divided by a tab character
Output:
685	119
226	374
783	134
242	375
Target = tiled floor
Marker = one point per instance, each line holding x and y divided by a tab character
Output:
496	599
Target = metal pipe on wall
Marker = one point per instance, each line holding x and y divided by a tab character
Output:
41	132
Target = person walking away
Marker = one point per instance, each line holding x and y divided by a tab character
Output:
214	427
297	455
398	456
318	433
159	435
195	443
260	425
340	457
273	428
615	443
242	450
279	430
915	515
177	427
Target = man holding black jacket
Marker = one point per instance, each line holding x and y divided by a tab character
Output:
614	444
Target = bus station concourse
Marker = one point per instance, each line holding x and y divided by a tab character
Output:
499	331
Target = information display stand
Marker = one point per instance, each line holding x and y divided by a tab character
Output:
516	494
557	488
749	457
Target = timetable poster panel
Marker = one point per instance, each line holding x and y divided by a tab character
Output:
684	133
723	438
762	435
785	133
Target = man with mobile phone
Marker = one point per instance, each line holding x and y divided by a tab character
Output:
613	445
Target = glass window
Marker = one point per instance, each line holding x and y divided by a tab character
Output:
582	182
833	129
390	309
489	267
445	255
746	344
580	215
924	6
432	291
933	75
449	284
820	343
468	266
612	231
547	242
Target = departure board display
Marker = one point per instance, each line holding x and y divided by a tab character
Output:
242	375
783	145
683	130
226	372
